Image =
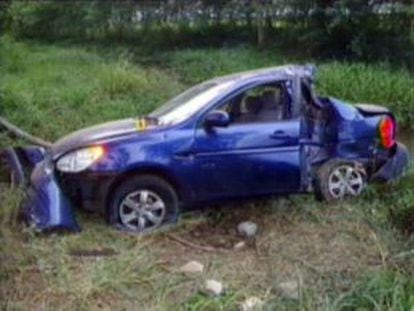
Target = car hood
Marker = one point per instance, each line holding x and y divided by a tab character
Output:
95	134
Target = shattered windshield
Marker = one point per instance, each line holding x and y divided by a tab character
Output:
189	102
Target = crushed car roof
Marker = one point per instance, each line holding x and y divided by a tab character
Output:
305	71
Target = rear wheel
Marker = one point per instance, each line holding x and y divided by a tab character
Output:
143	203
338	179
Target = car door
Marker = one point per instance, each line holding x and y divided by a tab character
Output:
257	153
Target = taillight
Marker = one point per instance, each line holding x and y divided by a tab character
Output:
387	128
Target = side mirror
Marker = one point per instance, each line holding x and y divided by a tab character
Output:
217	118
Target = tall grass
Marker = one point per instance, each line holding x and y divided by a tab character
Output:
384	291
42	88
361	83
194	66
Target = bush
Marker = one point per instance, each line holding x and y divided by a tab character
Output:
347	29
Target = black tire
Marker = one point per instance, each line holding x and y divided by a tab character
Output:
157	188
325	178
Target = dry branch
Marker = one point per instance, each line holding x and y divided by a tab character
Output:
195	246
22	134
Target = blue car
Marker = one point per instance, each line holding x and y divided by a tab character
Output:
250	134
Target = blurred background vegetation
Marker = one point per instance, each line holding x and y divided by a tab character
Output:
351	29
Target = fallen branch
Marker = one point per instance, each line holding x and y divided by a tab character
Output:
92	252
22	134
196	246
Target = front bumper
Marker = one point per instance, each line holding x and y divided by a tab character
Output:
45	206
395	166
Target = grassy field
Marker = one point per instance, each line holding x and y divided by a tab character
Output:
348	256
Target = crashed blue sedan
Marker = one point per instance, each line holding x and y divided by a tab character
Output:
256	133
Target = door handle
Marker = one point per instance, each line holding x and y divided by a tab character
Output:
279	134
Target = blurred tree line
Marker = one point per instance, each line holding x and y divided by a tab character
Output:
366	30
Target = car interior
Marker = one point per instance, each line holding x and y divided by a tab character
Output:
264	103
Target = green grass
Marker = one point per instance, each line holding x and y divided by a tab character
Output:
379	84
349	256
383	291
51	91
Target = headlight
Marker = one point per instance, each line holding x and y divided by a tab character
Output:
79	160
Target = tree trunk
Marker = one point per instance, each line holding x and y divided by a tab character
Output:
412	42
261	35
260	23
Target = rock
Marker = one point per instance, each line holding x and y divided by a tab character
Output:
192	267
213	288
196	234
247	228
252	304
238	246
290	289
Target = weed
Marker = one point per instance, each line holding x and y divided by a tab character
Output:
386	290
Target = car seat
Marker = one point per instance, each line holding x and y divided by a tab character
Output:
273	107
253	105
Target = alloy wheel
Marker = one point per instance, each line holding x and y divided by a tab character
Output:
142	210
345	180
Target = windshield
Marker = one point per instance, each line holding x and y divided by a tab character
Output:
188	103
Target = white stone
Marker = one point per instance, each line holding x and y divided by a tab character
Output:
213	288
252	304
192	267
290	289
247	228
239	245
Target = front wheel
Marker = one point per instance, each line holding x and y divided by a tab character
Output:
142	204
338	179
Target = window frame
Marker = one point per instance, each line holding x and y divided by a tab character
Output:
245	89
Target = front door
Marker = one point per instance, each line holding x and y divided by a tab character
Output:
258	153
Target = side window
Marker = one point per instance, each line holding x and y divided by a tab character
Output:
261	104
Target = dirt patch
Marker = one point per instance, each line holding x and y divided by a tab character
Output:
213	234
325	247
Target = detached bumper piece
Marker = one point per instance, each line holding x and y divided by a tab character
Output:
395	167
20	163
45	206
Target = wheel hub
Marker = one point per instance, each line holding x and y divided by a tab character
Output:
142	210
345	180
